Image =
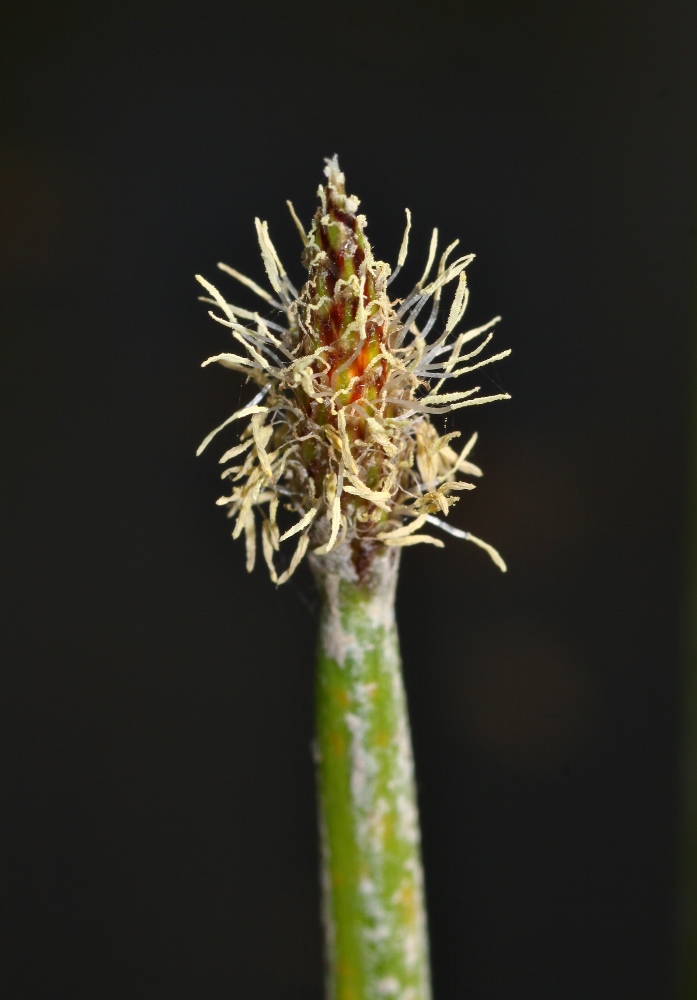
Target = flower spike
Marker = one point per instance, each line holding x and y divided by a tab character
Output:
344	438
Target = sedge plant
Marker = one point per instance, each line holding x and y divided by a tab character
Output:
339	456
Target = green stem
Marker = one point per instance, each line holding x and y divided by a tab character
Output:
372	883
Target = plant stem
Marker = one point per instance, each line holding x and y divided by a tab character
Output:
372	882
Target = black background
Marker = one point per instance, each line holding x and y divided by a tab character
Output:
159	799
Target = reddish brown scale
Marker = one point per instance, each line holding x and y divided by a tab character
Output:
337	313
335	257
339	262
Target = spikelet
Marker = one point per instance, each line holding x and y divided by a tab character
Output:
340	431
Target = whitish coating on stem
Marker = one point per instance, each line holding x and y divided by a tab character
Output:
340	433
372	881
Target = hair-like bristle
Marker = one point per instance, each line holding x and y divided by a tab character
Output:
340	430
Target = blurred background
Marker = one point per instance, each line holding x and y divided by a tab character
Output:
158	791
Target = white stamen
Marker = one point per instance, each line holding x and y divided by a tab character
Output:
298	223
302	523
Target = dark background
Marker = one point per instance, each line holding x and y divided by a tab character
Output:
158	793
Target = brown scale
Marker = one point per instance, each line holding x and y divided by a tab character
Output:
337	250
341	240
